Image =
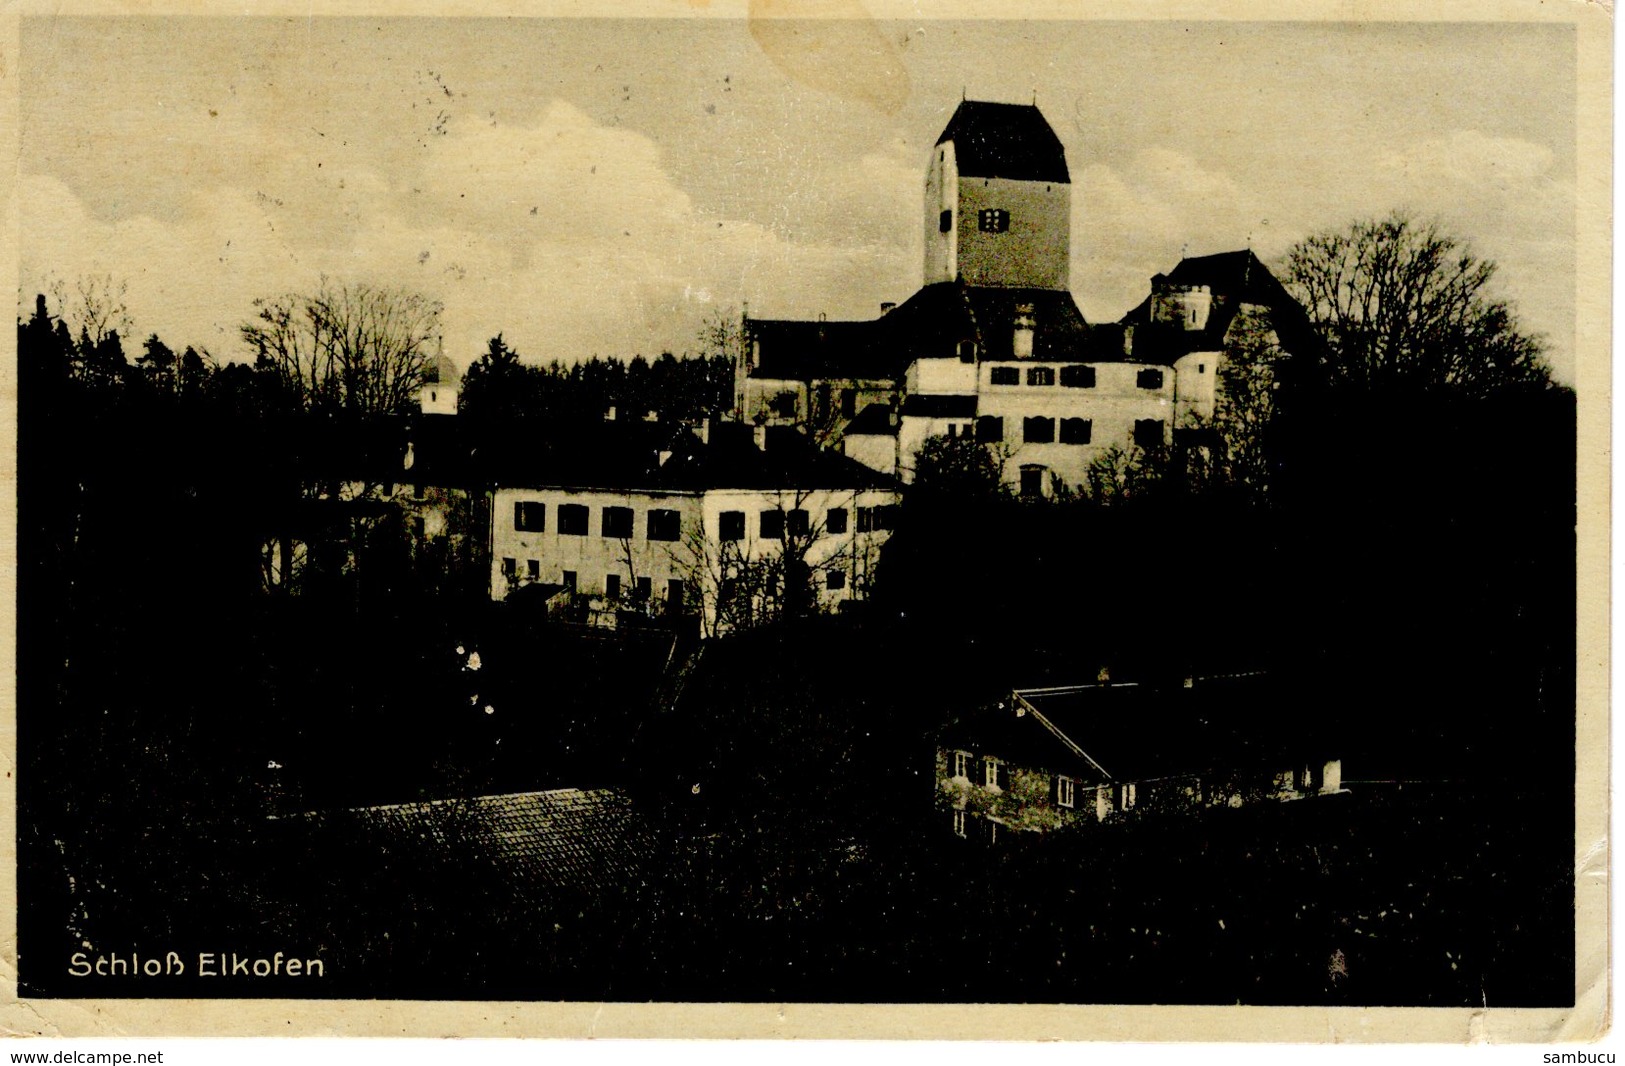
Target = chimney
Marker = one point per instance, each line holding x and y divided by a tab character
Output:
1021	341
609	415
705	430
887	308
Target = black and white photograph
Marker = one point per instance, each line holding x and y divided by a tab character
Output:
735	508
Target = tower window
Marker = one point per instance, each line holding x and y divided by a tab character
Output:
1041	375
967	351
945	221
993	220
1038	430
1004	375
990	429
1149	379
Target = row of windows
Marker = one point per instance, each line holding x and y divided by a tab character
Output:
617	522
1039	430
991	772
667	525
775	524
642	588
1073	376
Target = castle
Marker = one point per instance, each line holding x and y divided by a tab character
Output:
993	345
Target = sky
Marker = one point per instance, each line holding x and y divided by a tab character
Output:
601	186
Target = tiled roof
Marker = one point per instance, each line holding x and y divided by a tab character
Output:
543	843
1005	141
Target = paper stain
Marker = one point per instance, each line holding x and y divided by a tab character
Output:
833	46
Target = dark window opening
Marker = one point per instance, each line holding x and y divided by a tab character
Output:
674	595
417	527
618	522
573	519
835	579
945	221
772	525
993	220
1148	432
509	567
1076	431
849	403
1078	377
665	525
967	351
1005	375
732	525
612	586
1032	481
533	569
643	589
568	580
799	523
990	429
784	405
1038	430
1041	375
1149	379
529	517
835	520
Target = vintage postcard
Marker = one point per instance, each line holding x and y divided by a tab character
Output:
794	519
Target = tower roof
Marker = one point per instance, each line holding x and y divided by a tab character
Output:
440	370
1005	141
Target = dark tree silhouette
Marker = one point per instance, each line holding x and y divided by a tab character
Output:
1402	306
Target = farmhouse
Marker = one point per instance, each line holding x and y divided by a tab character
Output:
1039	760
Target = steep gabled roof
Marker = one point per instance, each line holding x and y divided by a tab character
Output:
1136	732
1234	278
1005	141
930	325
647	456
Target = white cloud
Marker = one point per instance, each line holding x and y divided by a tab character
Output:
568	236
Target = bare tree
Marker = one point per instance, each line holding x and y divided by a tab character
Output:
93	306
738	585
354	348
1399	304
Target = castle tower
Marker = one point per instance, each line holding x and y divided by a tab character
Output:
441	382
998	200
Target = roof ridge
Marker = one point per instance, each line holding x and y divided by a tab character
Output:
1062	737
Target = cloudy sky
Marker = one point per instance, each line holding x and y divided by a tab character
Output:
599	186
